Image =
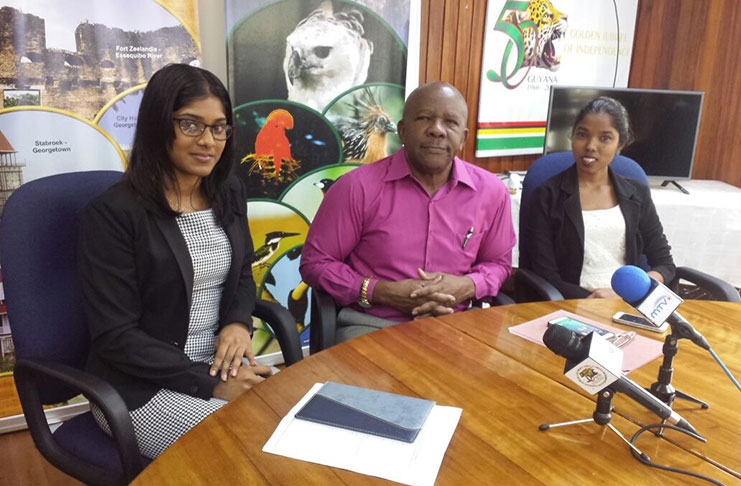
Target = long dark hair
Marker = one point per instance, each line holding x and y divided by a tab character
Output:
617	113
169	89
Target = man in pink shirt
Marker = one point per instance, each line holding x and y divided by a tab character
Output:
418	233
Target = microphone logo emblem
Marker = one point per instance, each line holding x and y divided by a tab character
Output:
591	376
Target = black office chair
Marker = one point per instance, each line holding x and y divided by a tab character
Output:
530	287
324	310
38	235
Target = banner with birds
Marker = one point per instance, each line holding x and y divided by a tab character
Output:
318	87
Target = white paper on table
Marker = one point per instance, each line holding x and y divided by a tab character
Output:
415	464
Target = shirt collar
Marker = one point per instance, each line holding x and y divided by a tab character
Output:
460	173
398	169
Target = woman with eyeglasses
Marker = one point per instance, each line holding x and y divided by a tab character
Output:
165	257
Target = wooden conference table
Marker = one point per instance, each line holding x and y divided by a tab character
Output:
506	387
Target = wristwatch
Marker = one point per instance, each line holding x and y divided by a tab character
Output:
363	297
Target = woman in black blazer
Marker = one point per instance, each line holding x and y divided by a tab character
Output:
165	258
622	223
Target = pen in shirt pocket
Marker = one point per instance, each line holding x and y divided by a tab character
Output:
467	237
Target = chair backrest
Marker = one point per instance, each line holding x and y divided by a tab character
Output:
548	166
38	247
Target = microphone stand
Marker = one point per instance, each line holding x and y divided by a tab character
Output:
662	388
601	416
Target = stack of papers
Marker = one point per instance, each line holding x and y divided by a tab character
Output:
413	463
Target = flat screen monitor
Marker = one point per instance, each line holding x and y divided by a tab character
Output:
664	122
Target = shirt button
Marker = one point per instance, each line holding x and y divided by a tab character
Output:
194	389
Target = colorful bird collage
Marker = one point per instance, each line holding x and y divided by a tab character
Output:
317	102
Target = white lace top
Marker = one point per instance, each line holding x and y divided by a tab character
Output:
604	246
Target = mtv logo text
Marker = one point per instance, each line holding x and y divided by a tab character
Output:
659	304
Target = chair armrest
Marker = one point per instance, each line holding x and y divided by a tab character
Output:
284	326
530	287
323	321
719	289
500	299
28	373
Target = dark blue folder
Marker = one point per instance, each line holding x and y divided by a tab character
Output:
369	411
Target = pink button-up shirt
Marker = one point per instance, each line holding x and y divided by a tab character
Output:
379	221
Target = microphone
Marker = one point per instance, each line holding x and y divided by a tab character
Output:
590	363
655	301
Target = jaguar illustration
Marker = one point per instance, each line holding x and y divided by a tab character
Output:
540	49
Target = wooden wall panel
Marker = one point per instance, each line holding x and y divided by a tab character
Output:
679	44
435	14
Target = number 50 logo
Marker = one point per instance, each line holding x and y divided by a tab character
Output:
508	24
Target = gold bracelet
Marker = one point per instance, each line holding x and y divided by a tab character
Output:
363	297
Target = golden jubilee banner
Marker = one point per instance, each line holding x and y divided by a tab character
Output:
530	45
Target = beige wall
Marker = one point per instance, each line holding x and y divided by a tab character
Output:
213	41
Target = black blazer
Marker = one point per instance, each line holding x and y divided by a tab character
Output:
556	229
137	281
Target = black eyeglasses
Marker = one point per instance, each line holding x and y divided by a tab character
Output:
193	128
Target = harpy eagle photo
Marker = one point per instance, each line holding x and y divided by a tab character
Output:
326	55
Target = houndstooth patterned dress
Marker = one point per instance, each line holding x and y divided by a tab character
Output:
169	415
